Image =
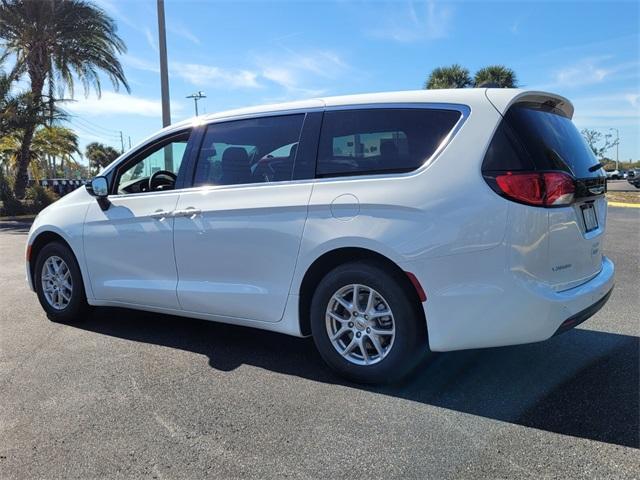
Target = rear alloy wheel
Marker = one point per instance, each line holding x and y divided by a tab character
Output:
360	324
366	324
58	283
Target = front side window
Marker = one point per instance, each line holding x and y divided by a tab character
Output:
155	169
368	141
255	150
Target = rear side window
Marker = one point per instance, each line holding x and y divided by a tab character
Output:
539	137
256	150
361	142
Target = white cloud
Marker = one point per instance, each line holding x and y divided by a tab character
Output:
299	74
151	40
616	109
112	103
141	63
203	75
184	32
302	74
591	71
583	73
430	21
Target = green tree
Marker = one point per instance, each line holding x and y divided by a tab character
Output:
50	144
57	41
455	76
599	142
100	155
499	75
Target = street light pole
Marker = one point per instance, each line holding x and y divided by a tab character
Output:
164	73
197	96
617	145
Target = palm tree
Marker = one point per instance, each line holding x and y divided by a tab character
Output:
496	75
100	155
53	41
14	111
455	76
49	143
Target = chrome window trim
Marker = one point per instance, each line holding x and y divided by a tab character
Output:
464	110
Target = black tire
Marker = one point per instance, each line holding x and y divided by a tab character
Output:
77	307
410	341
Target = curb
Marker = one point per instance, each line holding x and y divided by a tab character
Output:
624	205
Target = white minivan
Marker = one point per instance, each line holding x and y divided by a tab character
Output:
383	225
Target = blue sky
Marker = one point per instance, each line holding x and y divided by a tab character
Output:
244	53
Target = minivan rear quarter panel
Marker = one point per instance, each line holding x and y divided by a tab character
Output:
439	214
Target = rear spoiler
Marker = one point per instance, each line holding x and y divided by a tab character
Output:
502	99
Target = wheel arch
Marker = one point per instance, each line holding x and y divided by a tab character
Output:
44	237
326	262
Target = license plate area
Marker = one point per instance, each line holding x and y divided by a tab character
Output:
589	217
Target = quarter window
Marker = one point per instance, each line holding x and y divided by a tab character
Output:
256	150
360	142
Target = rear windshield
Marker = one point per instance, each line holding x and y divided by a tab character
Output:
550	140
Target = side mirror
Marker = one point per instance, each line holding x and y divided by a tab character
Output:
99	188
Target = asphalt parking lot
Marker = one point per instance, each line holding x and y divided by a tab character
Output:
136	395
620	186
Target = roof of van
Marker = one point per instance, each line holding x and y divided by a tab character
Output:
500	97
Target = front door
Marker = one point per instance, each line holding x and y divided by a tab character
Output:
129	246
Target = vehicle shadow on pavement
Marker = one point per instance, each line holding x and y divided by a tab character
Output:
583	383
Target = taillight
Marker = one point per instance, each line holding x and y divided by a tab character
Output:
544	189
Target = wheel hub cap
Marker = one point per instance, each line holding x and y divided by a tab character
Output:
360	324
56	280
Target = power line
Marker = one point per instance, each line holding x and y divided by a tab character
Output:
93	124
100	133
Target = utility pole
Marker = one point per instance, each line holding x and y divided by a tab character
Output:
164	72
121	142
129	142
164	82
197	96
617	145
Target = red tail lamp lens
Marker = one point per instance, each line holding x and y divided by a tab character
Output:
540	189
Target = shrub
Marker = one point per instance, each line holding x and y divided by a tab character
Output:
9	204
40	198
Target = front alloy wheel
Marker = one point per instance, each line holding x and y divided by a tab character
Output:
57	284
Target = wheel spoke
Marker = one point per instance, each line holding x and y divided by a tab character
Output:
383	332
338	318
380	313
370	299
350	347
339	333
375	341
356	298
346	305
363	349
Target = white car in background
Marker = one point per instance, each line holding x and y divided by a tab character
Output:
383	225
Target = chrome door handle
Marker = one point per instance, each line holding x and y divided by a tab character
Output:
160	215
187	212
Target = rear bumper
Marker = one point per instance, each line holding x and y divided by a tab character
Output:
584	315
505	308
